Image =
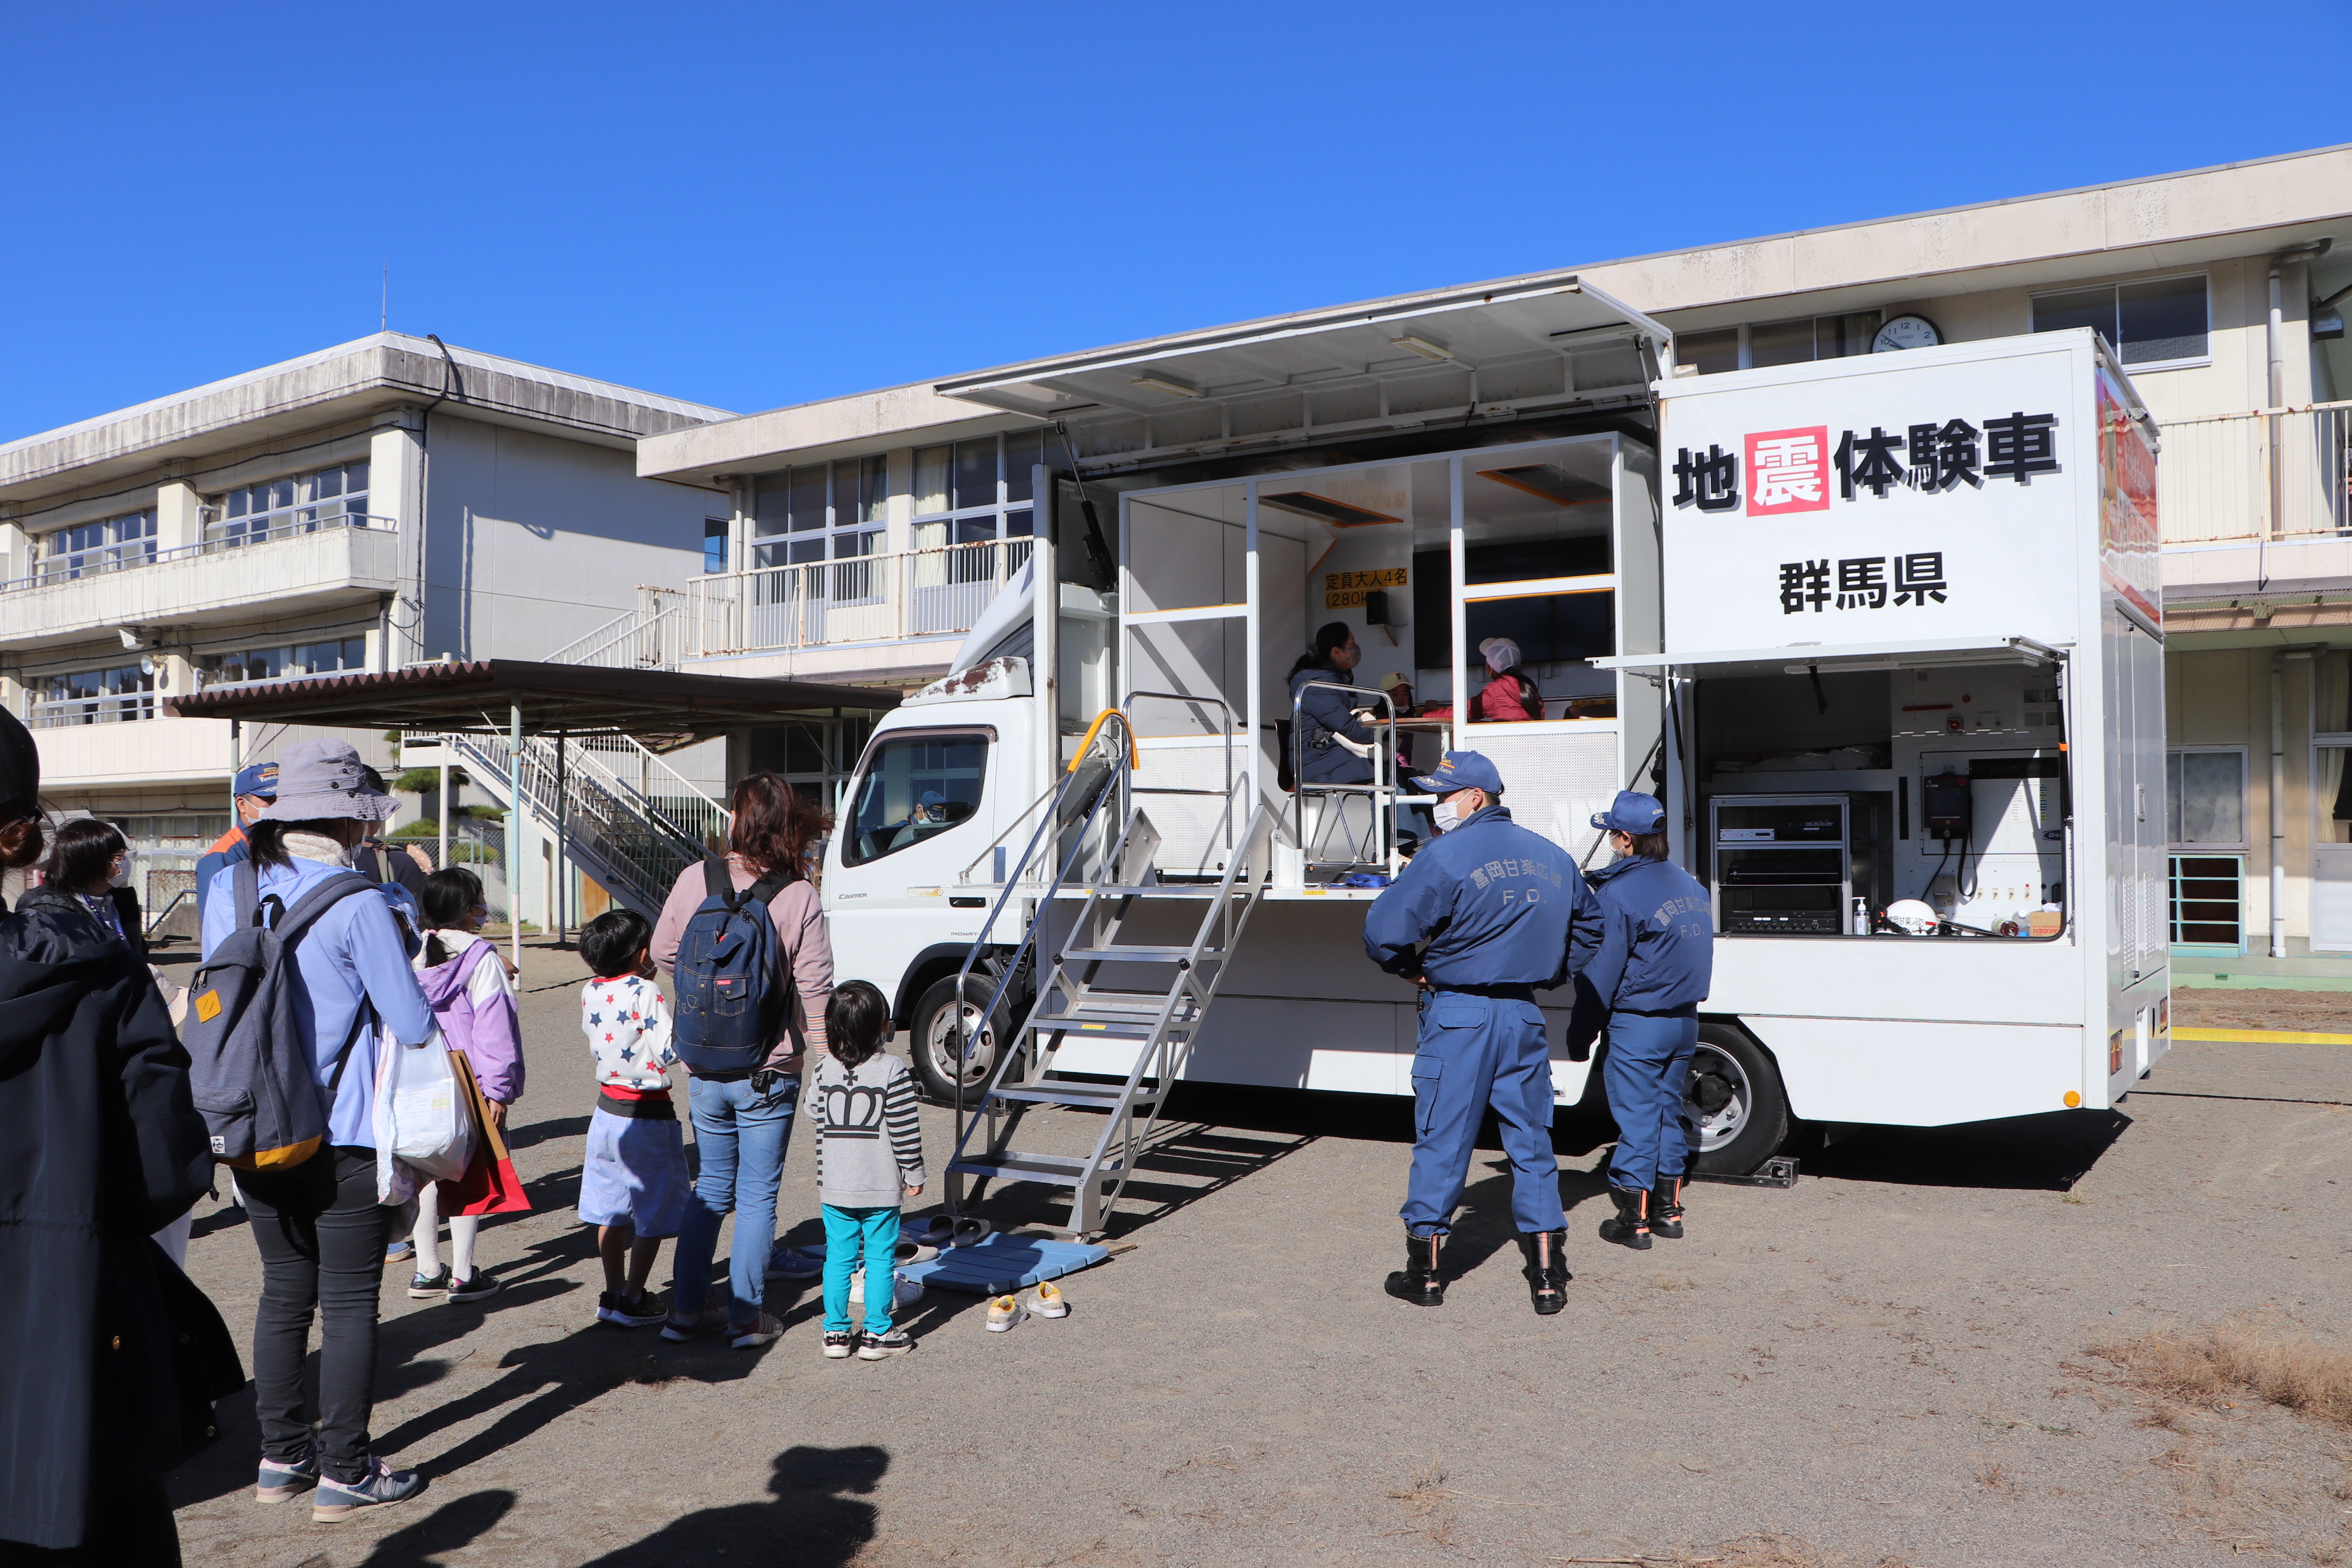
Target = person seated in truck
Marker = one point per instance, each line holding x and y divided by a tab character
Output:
1333	745
1509	696
931	812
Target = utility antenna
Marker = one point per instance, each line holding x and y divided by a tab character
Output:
385	323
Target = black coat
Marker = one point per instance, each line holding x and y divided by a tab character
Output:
119	1356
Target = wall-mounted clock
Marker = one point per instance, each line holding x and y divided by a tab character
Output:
1906	333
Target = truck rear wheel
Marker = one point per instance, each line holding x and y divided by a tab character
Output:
935	1050
1737	1100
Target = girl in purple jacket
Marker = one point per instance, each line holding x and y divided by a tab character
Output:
474	1003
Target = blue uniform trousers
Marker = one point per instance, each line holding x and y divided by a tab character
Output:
1647	1074
1477	1051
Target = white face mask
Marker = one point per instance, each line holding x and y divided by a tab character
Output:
1447	815
121	878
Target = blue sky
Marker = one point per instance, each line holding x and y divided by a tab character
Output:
758	205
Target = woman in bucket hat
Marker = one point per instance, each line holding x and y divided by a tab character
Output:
320	1232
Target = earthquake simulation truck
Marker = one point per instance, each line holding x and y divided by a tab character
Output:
1883	633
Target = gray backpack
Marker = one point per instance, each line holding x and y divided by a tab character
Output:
249	1065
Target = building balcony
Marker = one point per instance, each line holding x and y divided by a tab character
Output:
115	747
291	568
2275	474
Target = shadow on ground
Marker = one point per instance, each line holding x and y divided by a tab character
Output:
815	1508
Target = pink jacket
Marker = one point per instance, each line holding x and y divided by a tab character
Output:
804	947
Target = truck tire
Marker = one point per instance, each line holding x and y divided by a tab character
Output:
934	1012
1737	1102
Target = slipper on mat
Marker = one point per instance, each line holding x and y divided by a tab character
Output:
935	1231
971	1231
915	1252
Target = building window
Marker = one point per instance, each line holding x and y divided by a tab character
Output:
2162	323
1797	341
113	696
295	659
976	491
822	511
89	548
714	545
329	498
2205	797
2209	901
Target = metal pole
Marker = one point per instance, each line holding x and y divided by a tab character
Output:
1254	656
1459	568
560	897
514	832
441	845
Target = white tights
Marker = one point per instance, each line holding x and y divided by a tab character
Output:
463	1229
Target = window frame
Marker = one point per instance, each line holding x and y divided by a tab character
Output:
2197	846
53	563
998	512
2172	899
876	744
307	512
2114	343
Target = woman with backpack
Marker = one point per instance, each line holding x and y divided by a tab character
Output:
120	1358
742	1115
317	1224
475	1004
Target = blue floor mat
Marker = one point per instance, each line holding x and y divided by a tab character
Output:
1004	1263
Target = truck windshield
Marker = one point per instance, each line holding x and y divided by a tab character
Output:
915	788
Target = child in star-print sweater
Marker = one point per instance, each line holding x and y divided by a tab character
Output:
633	1184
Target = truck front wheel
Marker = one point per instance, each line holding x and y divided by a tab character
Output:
1737	1100
935	1050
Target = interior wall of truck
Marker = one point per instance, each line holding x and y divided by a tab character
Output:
1821	797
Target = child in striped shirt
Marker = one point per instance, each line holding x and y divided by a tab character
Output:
870	1158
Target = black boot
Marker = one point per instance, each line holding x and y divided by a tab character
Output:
1418	1281
1666	1208
1632	1225
1546	1269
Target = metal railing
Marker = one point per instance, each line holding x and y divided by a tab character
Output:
865	598
49	713
2272	473
1332	823
134	554
647	638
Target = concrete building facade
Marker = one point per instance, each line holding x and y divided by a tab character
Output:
375	504
2224	290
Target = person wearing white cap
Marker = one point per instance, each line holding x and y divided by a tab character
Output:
1509	696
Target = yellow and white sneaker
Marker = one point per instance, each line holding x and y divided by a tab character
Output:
1047	1300
1004	1312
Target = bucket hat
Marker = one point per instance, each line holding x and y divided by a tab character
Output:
320	779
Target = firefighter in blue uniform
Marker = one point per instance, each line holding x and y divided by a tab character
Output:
1651	969
1480	919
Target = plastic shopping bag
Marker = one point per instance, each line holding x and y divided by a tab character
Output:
422	1120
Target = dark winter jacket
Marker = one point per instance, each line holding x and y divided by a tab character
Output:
1656	952
99	1147
1498	905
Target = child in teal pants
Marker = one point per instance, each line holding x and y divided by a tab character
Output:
870	1158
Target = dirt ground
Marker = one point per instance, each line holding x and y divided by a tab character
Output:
2266	1007
1889	1361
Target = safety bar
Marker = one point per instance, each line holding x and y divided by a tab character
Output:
1383	794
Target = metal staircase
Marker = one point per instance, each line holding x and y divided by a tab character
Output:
1110	878
627	818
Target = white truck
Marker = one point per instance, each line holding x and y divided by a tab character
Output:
1881	631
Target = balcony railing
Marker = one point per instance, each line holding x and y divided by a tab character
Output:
102	560
2277	473
51	714
865	599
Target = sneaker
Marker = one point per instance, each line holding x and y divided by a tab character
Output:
795	1263
838	1343
340	1499
627	1312
764	1332
428	1287
1004	1312
679	1332
398	1252
904	1292
1047	1300
882	1347
473	1287
278	1482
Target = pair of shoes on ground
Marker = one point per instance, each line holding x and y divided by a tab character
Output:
808	1262
625	1312
764	1329
442	1286
332	1500
1422	1281
945	1230
1641	1216
1045	1300
839	1343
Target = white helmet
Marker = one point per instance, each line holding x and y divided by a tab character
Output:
1913	915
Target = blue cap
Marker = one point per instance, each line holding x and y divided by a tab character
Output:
1632	812
1461	770
258	778
931	797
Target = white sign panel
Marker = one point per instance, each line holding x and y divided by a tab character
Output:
1930	500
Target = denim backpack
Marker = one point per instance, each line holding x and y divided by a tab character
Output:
249	1063
729	978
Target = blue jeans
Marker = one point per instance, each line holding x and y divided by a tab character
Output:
1647	1074
1477	1052
847	1233
741	1140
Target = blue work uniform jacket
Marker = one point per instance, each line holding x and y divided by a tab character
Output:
1326	712
1497	905
1657	952
211	863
